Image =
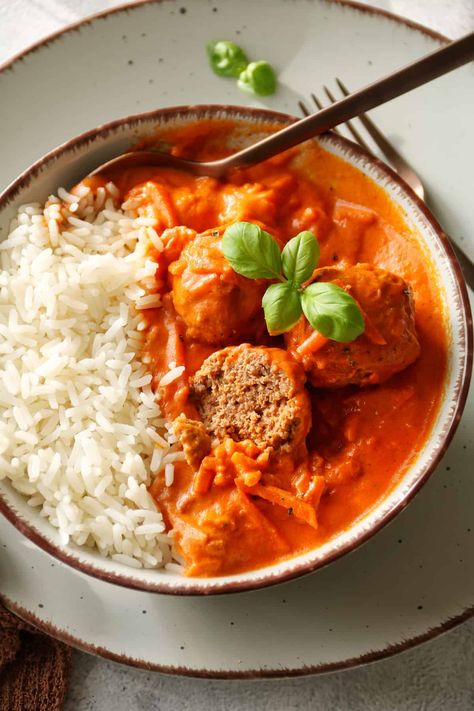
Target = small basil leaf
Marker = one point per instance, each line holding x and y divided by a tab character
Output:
251	251
300	257
226	58
282	307
258	78
332	311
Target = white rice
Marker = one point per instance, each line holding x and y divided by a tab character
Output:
150	301
81	434
172	374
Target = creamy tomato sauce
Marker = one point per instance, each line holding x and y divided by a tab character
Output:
362	438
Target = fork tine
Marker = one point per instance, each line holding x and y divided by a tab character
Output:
303	108
320	106
355	133
342	87
379	139
317	101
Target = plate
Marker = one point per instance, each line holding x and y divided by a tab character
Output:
415	578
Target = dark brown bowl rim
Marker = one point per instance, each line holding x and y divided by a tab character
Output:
459	392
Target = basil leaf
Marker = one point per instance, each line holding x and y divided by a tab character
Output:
226	58
332	311
258	78
251	251
282	307
300	257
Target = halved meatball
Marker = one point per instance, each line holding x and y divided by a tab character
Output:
257	393
389	343
217	305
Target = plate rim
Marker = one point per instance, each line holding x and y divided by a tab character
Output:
233	674
127	6
306	670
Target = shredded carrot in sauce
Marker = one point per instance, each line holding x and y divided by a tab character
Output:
295	506
312	344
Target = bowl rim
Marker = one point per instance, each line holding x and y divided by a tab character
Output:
203	586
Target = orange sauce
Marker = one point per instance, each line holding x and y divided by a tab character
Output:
362	439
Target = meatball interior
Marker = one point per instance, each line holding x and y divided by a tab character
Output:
254	393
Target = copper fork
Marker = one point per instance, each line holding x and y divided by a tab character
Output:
394	158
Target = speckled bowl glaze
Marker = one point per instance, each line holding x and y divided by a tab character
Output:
69	163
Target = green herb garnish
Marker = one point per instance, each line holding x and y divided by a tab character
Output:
258	78
332	311
300	257
282	307
251	251
255	254
226	58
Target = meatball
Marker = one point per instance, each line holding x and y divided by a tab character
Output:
217	305
389	343
256	393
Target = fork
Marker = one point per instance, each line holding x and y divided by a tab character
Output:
394	158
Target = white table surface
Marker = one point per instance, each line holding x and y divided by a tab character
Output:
438	675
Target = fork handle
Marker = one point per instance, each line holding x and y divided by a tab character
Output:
400	82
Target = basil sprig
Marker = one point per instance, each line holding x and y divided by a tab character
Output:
255	254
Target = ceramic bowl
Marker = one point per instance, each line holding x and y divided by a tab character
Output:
67	164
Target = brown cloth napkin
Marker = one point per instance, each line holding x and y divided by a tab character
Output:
34	669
